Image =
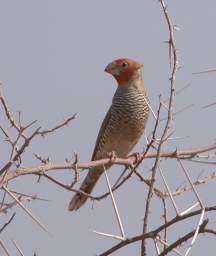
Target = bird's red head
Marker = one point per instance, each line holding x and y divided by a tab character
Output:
123	69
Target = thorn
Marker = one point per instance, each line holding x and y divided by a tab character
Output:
25	209
114	205
4	248
203	72
110	235
17	247
175	27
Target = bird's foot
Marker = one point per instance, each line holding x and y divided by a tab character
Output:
112	156
138	157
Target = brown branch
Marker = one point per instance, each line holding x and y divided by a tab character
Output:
22	198
185	238
181	190
19	152
57	127
9	115
152	234
19	127
181	154
151	182
159	193
172	54
68	187
165	220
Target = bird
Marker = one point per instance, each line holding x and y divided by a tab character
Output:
123	124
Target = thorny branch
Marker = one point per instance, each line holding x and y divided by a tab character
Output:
174	57
18	146
165	217
16	152
14	168
153	234
186	237
57	127
40	169
8	173
8	114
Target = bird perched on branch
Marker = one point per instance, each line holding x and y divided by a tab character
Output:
123	124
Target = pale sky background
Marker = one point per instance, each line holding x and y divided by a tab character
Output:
52	57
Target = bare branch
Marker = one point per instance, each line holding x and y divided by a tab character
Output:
4	248
185	238
25	209
57	127
8	113
173	56
8	222
19	152
153	234
17	247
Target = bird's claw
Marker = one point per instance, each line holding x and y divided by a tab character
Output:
112	156
137	155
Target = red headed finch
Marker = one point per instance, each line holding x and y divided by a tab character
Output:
123	124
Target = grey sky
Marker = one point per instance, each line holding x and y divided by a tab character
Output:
53	54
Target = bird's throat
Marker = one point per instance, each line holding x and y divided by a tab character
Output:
127	77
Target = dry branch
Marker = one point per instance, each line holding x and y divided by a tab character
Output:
8	222
153	234
14	168
130	161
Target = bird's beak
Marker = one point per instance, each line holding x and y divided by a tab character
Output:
109	68
106	69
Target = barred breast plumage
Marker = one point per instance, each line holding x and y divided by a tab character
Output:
120	131
124	123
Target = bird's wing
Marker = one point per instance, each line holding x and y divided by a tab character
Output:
101	132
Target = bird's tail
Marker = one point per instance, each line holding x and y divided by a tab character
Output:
87	186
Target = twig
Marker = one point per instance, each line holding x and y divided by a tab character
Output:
165	221
166	245
204	72
4	248
19	152
6	206
68	187
25	209
172	54
17	247
9	115
33	197
185	238
153	234
57	127
8	222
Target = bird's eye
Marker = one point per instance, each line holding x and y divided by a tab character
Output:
124	64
